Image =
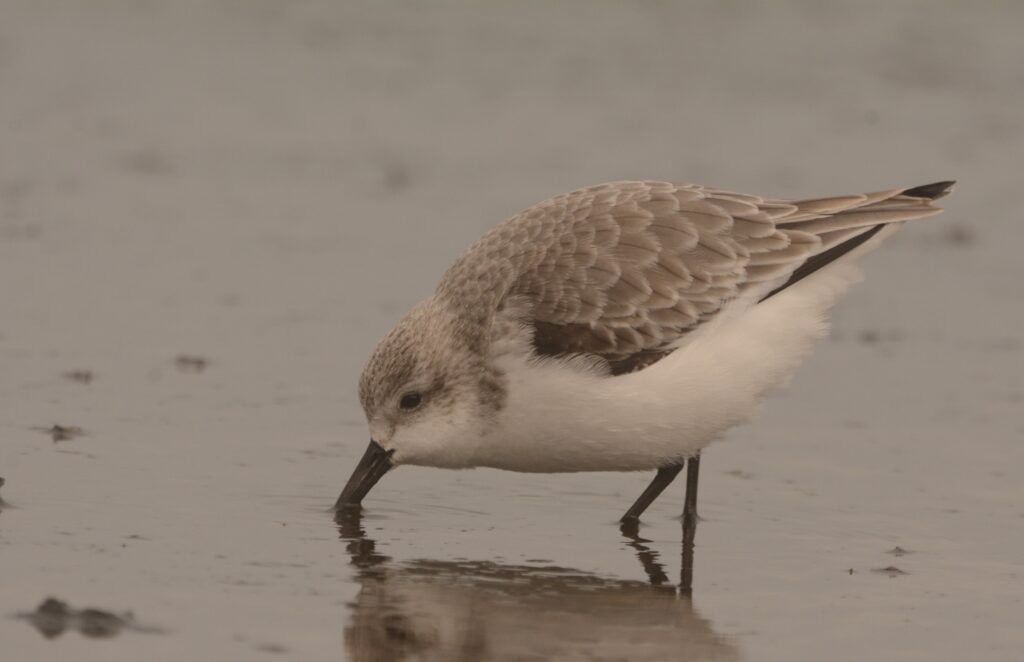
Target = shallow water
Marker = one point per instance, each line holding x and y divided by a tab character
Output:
215	209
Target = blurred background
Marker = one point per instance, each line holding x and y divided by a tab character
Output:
211	210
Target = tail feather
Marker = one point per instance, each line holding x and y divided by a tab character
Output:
864	217
931	191
844	223
903	204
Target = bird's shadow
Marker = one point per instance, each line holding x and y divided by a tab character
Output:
478	610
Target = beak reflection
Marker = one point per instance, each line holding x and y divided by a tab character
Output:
375	463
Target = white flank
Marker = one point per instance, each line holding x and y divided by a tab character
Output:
564	416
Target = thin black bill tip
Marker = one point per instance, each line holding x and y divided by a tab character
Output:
375	463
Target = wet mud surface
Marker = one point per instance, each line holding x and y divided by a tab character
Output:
210	212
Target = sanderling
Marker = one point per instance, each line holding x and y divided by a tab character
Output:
620	327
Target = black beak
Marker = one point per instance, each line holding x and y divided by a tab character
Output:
375	463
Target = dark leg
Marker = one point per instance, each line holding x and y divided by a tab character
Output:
689	524
661	480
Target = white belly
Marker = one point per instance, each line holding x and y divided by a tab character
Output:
562	416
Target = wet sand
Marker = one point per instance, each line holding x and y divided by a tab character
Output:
210	212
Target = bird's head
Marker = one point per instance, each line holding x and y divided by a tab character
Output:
427	393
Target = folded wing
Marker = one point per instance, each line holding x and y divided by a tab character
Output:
624	270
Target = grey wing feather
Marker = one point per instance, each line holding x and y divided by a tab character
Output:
624	270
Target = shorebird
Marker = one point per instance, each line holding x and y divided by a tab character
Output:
621	327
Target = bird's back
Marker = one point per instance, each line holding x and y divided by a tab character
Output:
627	270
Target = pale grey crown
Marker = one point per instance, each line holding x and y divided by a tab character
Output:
429	352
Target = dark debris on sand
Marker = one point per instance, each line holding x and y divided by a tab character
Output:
61	432
79	376
54	617
191	363
875	336
960	234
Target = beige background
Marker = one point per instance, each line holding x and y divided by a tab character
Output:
270	185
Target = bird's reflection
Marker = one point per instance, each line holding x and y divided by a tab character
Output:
480	610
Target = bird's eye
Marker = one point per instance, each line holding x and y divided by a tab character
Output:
410	401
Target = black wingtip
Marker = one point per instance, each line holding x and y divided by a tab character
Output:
930	191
